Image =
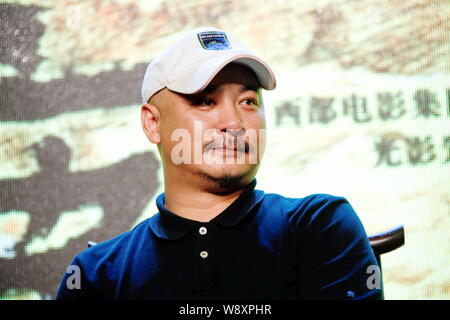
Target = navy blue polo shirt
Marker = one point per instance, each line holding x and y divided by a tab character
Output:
263	246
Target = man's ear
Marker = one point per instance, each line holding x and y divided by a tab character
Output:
150	122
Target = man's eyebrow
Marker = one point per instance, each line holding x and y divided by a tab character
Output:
209	89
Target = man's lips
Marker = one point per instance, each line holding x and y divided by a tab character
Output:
229	144
234	148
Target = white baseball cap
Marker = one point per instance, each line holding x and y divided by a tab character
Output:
190	63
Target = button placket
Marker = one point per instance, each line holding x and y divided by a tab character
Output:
203	259
203	231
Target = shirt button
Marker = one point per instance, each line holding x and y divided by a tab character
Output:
204	254
202	231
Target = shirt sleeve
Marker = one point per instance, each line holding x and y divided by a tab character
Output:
72	285
334	256
81	281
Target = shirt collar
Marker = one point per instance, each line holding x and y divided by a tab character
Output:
167	225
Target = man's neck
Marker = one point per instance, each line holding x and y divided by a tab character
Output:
195	203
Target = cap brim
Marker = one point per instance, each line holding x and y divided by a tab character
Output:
198	79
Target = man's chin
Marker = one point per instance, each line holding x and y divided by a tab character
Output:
229	178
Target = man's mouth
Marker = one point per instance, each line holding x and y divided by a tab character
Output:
228	148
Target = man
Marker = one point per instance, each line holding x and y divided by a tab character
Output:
215	236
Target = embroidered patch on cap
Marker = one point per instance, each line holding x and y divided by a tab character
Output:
214	40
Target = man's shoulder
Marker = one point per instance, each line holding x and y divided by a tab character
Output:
116	247
313	209
310	202
315	197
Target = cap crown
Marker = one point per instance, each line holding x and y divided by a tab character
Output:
190	63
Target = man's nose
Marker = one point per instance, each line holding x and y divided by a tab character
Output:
230	118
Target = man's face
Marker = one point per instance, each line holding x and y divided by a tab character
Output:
223	124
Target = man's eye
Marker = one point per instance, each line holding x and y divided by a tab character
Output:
204	102
250	102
